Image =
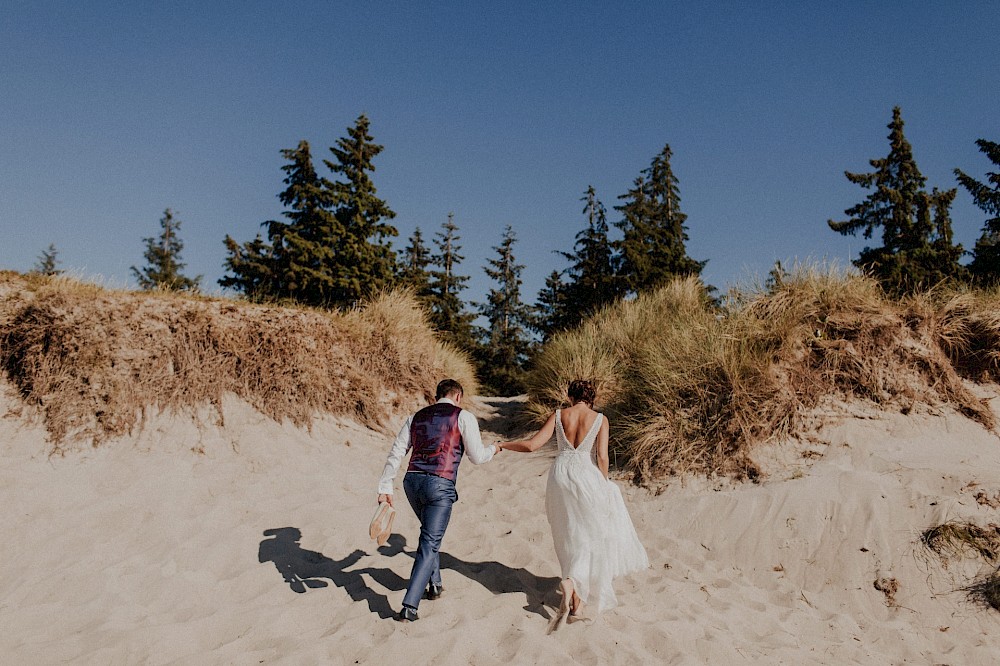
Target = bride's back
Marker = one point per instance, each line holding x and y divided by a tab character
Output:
577	422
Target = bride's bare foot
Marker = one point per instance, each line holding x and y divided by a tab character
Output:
565	604
569	596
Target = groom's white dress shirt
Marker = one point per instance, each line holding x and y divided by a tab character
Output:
471	439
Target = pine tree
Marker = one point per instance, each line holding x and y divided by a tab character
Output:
917	247
551	307
331	249
366	262
447	311
653	248
414	261
299	261
593	282
305	248
252	266
985	266
163	259
505	344
47	262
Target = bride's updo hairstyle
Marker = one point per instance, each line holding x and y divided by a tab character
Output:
581	390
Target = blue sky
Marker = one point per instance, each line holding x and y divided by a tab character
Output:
502	113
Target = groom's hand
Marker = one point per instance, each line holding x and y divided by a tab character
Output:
385	498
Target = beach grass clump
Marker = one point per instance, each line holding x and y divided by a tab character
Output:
958	539
693	386
95	360
969	331
986	591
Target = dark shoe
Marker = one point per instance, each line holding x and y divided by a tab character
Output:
407	614
434	591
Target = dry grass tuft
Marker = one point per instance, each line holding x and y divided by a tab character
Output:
94	360
986	591
693	388
957	539
969	332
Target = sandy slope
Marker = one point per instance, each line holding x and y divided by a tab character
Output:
247	544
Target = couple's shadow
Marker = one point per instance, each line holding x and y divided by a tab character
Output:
308	569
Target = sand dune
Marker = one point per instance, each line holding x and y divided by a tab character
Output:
193	543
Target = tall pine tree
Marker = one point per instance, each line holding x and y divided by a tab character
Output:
414	262
164	268
593	280
298	262
917	249
305	247
985	266
331	249
447	311
653	248
365	260
552	307
505	344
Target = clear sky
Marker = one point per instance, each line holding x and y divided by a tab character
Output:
501	112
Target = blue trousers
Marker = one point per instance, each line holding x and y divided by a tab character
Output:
431	498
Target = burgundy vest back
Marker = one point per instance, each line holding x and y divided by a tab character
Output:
436	441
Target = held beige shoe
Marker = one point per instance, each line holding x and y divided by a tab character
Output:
381	525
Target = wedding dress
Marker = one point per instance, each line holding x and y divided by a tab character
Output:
594	537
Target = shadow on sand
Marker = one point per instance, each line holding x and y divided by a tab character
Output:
307	569
304	569
509	418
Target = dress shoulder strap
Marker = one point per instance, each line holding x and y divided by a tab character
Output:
595	428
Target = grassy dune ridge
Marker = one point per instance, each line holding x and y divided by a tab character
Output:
691	387
93	360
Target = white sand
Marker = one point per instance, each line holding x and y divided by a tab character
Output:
147	550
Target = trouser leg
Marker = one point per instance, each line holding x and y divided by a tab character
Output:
432	502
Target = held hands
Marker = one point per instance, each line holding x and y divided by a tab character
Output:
384	498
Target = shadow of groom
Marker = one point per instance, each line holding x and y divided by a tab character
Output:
495	576
302	569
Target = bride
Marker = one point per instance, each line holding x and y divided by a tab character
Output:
593	534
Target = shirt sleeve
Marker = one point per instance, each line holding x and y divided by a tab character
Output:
469	427
399	448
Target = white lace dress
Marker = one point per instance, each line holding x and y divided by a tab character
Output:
593	534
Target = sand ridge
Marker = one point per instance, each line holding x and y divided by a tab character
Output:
191	542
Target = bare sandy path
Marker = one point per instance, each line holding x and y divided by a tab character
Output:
247	544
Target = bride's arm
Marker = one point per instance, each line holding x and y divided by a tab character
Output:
602	448
536	442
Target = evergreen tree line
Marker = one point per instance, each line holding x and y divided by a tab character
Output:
333	248
917	250
651	250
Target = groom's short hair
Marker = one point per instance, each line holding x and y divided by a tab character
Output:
446	387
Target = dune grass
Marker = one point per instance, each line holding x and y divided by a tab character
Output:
962	539
958	539
95	360
986	591
692	387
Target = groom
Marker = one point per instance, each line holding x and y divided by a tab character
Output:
439	435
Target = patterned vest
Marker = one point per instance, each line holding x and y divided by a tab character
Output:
436	441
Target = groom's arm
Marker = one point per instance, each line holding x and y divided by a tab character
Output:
399	448
474	448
